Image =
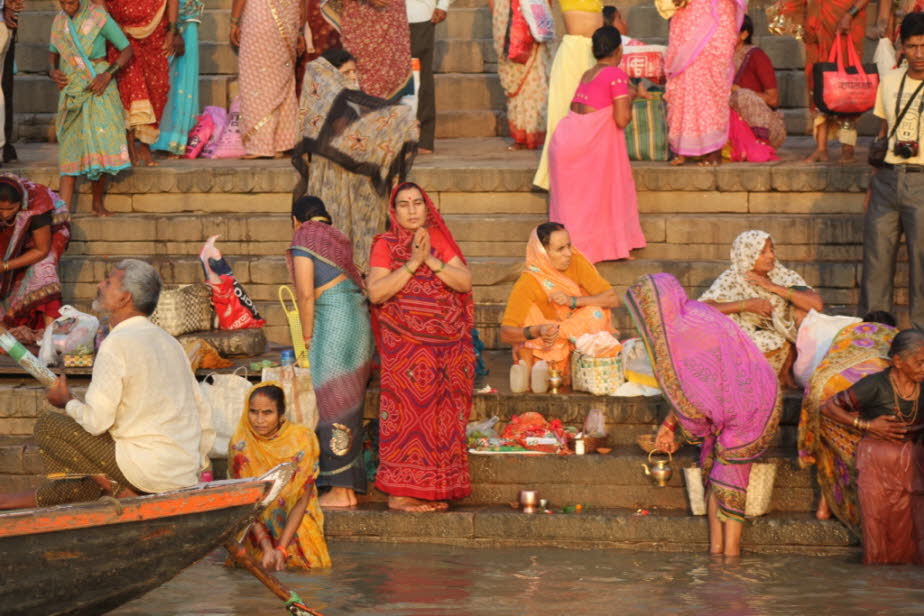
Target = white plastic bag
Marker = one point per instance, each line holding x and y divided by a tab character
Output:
538	15
73	333
301	402
816	333
884	57
226	395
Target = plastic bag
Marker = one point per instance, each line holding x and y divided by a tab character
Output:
637	364
229	144
219	120
538	15
234	308
199	136
301	403
73	333
225	394
595	424
816	333
483	428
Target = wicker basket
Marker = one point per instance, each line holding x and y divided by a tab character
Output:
184	309
646	442
760	489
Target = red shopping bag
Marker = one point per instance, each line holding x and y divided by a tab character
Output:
844	90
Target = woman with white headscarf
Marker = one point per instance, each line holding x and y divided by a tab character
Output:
765	299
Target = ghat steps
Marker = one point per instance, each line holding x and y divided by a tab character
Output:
470	100
690	215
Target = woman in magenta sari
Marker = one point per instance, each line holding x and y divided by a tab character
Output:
592	191
420	288
700	69
722	391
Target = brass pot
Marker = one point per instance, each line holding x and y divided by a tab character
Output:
660	471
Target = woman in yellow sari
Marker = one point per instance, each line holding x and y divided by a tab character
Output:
560	296
290	532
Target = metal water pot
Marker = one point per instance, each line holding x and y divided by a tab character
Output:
660	471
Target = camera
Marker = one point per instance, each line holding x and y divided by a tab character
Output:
905	149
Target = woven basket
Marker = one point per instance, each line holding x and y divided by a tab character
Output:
646	442
760	489
600	376
184	309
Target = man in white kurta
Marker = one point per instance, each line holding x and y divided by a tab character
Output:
143	409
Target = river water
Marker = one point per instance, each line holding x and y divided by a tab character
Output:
418	580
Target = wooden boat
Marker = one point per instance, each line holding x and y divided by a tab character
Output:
89	558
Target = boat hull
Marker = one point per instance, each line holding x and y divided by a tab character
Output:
93	557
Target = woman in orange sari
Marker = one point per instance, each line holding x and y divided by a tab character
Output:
290	531
559	296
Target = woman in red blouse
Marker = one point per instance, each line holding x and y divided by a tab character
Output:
754	94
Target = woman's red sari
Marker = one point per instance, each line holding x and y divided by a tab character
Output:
424	339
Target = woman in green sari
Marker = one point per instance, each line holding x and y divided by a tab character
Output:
90	125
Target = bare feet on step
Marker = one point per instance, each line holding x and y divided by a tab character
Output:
338	498
818	156
415	505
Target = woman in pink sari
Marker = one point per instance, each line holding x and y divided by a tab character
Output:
269	34
722	390
592	191
700	69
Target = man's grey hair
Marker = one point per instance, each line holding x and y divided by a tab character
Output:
142	282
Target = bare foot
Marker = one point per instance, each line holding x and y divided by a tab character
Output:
847	154
513	147
424	151
100	210
713	159
818	156
338	498
823	512
679	160
414	505
145	158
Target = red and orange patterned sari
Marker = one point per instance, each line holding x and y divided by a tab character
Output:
424	336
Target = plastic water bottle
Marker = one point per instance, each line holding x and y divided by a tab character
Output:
287	357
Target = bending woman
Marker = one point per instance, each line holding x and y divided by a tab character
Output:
559	297
857	351
593	192
722	391
890	457
290	532
335	323
354	182
33	236
420	287
765	299
90	124
574	57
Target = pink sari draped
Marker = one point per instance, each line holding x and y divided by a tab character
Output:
592	190
719	384
744	145
700	71
267	76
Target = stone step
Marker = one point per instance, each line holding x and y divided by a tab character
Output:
611	481
661	530
38	94
463	91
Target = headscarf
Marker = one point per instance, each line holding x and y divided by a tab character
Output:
363	134
426	309
328	244
731	286
720	386
572	323
252	455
